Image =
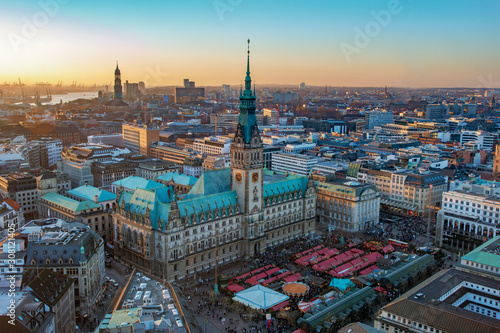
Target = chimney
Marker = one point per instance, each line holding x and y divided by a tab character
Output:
96	198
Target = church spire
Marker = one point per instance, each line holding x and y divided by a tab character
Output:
248	79
247	120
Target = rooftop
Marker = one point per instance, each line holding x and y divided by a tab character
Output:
422	304
486	254
134	182
178	178
70	204
89	192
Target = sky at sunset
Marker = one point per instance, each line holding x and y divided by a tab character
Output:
403	43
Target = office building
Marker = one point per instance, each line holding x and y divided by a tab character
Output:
469	216
377	118
347	205
131	90
108	139
404	192
43	153
106	172
285	97
294	163
213	145
21	187
437	112
189	93
484	140
138	138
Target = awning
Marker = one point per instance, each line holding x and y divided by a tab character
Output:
280	306
235	288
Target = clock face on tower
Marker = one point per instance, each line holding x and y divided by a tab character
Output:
255	177
239	177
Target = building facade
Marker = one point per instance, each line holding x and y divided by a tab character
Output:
106	172
350	206
227	214
378	118
139	138
21	187
58	292
155	168
88	212
76	252
294	163
468	217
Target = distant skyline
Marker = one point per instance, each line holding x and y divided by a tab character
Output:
339	43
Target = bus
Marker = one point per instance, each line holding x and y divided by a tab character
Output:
395	242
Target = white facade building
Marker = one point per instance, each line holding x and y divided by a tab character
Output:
469	216
294	163
212	145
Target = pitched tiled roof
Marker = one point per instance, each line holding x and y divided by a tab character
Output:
211	182
178	178
14	205
69	203
89	192
447	321
134	182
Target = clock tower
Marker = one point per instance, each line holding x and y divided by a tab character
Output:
247	152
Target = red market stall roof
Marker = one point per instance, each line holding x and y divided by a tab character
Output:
388	248
252	281
280	306
292	278
379	289
235	288
270	280
260	276
242	276
272	271
282	275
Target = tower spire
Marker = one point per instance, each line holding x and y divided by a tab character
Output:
248	57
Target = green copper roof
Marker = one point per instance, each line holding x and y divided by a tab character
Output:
178	178
247	121
275	183
68	203
89	192
134	182
211	182
486	254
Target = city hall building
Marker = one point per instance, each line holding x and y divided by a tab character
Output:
228	214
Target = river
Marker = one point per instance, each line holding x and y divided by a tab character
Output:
56	99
